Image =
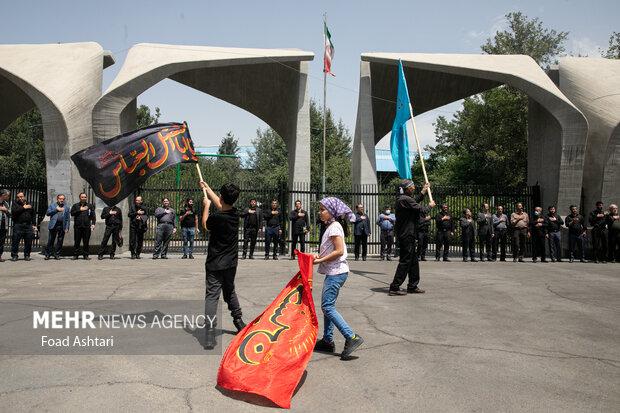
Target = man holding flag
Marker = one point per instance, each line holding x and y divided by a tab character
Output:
408	208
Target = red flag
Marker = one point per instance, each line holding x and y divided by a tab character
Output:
268	357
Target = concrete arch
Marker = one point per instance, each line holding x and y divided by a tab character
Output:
64	82
437	79
269	83
593	84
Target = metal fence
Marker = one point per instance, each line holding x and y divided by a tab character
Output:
36	195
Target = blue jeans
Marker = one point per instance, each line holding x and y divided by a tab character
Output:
188	239
331	317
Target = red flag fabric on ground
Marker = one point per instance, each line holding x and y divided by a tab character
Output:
269	356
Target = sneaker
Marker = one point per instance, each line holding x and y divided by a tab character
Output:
415	291
239	324
325	346
396	292
209	339
350	346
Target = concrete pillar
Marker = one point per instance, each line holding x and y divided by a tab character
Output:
364	163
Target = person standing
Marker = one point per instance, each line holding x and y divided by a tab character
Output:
554	224
165	229
113	217
189	228
576	233
252	222
386	222
424	227
24	226
520	222
468	234
84	219
60	220
222	256
500	229
539	234
445	230
361	231
599	233
273	229
408	212
613	232
5	194
485	231
138	219
299	226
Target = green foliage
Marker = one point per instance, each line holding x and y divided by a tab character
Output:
144	117
613	51
269	161
22	152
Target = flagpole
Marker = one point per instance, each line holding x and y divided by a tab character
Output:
417	141
324	108
204	191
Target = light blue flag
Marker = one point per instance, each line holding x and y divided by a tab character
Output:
399	144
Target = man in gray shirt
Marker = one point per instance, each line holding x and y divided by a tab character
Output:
500	228
165	229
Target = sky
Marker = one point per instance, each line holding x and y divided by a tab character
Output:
385	26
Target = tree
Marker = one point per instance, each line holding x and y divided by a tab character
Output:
229	167
486	141
22	151
269	161
144	117
229	145
613	51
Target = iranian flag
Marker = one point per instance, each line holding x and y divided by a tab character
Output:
329	51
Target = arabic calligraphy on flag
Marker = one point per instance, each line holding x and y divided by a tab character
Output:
116	167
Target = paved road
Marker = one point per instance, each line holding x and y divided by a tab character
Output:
485	337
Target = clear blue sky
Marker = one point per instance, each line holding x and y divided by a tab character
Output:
386	26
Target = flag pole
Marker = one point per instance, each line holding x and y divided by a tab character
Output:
324	108
417	141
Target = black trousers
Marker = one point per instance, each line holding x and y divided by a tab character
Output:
575	241
2	240
538	247
387	239
301	237
499	240
613	246
518	242
484	241
272	235
136	239
249	237
55	238
442	241
555	245
81	235
408	264
422	243
25	232
599	244
115	233
218	282
468	244
360	241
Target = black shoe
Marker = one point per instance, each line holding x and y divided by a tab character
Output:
397	292
190	256
489	259
251	257
56	257
436	258
357	259
86	257
475	260
133	256
381	258
514	260
75	258
570	260
464	259
184	257
275	257
27	258
415	291
13	259
447	259
266	257
534	259
390	258
243	257
209	339
325	346
350	346
111	256
502	260
99	257
292	258
163	257
552	259
545	261
423	259
47	257
520	259
239	324
363	258
559	260
582	260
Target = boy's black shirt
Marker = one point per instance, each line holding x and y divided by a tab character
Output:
223	227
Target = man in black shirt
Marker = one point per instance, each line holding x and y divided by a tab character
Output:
273	229
84	219
138	218
445	230
252	222
538	229
113	225
361	231
576	233
407	217
554	224
189	228
485	231
599	234
24	226
299	225
221	264
5	194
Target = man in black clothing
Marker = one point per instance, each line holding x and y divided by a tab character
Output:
538	229
408	212
361	231
599	234
24	226
113	225
485	231
138	218
445	230
222	257
576	233
252	222
5	194
299	225
554	224
84	219
273	229
424	227
613	231
468	234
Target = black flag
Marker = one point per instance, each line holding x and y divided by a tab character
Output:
116	167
